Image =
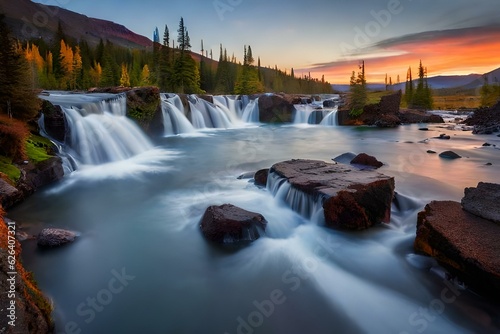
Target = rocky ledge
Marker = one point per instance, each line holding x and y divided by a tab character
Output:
352	199
485	120
33	177
463	242
387	114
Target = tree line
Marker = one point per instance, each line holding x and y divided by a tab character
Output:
170	64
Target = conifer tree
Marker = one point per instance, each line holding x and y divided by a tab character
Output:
17	98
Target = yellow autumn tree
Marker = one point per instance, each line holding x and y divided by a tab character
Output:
66	56
145	76
76	68
125	77
96	74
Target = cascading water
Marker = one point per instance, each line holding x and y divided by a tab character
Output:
251	112
205	115
97	129
230	106
302	203
330	119
174	119
302	113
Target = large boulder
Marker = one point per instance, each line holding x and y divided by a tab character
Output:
260	177
366	160
275	109
485	120
351	199
230	225
55	237
483	201
465	244
54	121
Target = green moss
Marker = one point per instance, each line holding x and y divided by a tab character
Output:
6	167
38	149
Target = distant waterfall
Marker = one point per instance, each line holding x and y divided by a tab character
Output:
174	119
97	129
317	113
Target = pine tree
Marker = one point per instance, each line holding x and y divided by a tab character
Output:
17	98
358	93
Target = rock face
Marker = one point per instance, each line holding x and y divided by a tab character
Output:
54	121
33	309
366	160
352	199
483	201
275	109
54	237
465	244
231	225
260	177
33	177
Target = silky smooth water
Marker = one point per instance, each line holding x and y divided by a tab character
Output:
141	265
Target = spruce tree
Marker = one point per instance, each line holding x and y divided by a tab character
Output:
17	98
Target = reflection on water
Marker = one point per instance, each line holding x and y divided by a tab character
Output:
139	218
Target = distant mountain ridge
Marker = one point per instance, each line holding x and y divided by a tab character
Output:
470	81
29	20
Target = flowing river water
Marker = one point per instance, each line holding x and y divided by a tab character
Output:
141	264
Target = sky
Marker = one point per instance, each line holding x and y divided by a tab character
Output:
325	37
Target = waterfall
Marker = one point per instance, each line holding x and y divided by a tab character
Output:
174	120
97	129
331	118
251	112
206	115
300	202
302	113
230	106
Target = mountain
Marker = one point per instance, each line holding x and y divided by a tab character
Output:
29	20
470	81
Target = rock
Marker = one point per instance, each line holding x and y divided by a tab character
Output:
486	144
431	152
231	225
260	177
424	129
389	104
246	175
329	104
55	237
275	109
387	121
449	155
54	121
345	158
485	120
366	160
465	244
411	116
488	164
443	136
9	195
483	201
351	199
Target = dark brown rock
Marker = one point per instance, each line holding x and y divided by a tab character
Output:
483	201
366	160
229	224
485	120
9	195
55	237
260	177
352	199
54	121
275	109
449	155
465	244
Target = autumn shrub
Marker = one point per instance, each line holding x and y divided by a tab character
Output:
13	137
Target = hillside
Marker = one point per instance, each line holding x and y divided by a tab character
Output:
32	20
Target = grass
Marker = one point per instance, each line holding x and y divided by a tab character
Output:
37	149
7	168
454	102
375	96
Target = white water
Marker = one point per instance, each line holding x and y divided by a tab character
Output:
142	215
205	114
99	132
330	119
174	120
251	112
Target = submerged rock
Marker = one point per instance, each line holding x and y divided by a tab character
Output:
366	160
465	244
351	199
449	155
231	225
55	237
260	177
483	201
